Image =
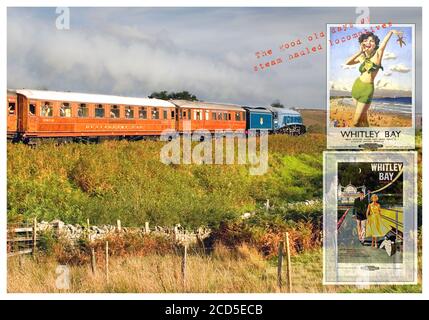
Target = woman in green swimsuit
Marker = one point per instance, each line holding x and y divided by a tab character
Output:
370	56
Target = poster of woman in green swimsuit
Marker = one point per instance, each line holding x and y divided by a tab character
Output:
371	86
370	56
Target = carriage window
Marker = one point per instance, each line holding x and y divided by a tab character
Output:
82	111
189	114
11	108
114	111
129	112
65	110
207	115
172	114
32	109
229	116
47	110
237	116
198	115
225	116
165	114
99	111
214	116
142	113
155	113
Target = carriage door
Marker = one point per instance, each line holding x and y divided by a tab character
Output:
22	105
178	115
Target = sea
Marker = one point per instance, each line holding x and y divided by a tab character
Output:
402	105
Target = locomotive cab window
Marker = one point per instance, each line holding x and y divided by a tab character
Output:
114	111
47	109
143	113
155	113
99	111
65	110
129	112
11	108
82	111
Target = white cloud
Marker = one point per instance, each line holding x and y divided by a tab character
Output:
400	68
349	67
389	56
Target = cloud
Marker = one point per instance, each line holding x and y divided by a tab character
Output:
389	56
207	51
341	85
348	67
390	85
127	58
400	68
387	74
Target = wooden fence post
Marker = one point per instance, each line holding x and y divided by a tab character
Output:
184	258
88	226
93	260
146	227
289	265
106	260
34	236
279	265
118	225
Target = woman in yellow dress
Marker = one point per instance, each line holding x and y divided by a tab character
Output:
375	226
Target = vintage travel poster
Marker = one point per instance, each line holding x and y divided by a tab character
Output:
370	218
370	86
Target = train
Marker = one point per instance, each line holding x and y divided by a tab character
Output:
69	116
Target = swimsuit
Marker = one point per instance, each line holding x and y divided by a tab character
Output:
363	91
375	226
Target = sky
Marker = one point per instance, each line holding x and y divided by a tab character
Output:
215	53
397	61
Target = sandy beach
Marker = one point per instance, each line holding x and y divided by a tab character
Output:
343	113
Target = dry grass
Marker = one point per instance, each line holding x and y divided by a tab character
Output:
241	270
225	271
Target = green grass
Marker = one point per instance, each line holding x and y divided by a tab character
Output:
127	181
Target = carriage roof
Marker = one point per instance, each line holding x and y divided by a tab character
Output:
92	98
206	105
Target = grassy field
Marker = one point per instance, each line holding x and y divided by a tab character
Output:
126	180
243	270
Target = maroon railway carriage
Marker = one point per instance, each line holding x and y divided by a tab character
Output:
53	114
198	115
11	102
